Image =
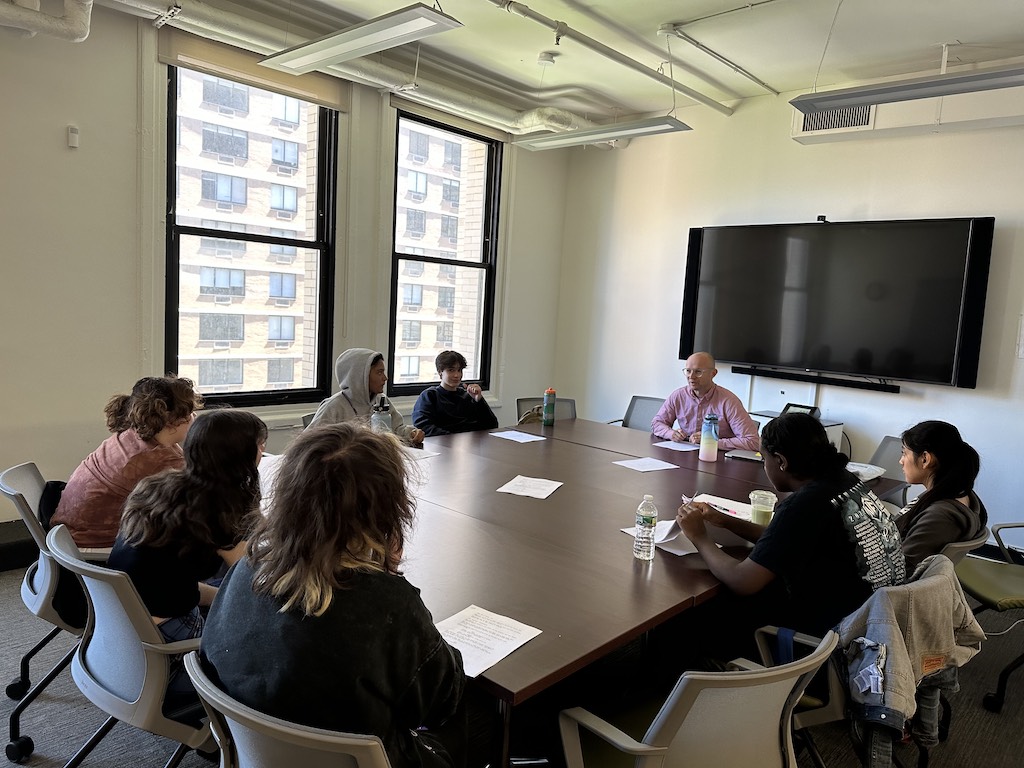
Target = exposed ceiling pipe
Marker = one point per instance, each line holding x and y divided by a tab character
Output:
72	26
203	20
561	29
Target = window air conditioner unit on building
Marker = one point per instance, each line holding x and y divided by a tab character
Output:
221	299
222	345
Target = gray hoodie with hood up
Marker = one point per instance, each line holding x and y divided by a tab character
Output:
353	401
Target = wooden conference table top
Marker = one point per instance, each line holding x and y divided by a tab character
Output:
561	564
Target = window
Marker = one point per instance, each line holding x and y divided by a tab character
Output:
222	243
214	260
450	227
445	334
446	298
221	140
408	366
221	282
464	282
411	332
284	198
412	295
415	223
216	327
280	371
284	153
281	328
419	147
453	155
450	192
282	285
220	373
417	185
223	188
287	109
226	94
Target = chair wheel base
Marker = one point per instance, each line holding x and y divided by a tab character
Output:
18	688
992	703
20	749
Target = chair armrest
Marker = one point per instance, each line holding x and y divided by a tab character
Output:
615	421
762	634
999	539
170	649
609	732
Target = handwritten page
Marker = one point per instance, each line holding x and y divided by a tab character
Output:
674	446
535	487
645	465
518	437
484	638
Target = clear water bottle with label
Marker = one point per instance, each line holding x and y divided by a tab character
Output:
709	438
548	409
380	419
646	520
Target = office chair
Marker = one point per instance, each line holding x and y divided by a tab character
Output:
306	418
713	719
123	664
251	739
640	412
565	408
998	586
957	550
48	591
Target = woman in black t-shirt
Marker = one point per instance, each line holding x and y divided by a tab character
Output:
181	526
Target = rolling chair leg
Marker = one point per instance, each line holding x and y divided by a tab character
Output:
993	702
20	747
19	686
90	745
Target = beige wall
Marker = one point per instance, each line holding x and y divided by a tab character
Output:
628	214
81	257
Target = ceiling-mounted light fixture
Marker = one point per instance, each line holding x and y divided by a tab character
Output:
611	132
915	88
387	31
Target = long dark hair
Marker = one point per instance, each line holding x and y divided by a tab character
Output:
154	403
340	504
957	463
802	440
208	504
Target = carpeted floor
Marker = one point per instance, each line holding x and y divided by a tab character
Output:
61	720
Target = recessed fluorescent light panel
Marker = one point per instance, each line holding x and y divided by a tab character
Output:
631	130
948	84
388	31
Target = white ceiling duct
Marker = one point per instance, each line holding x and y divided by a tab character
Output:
72	26
205	21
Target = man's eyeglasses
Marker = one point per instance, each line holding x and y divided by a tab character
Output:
695	372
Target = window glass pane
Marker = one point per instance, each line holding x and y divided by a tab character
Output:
246	163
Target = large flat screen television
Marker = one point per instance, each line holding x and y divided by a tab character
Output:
869	300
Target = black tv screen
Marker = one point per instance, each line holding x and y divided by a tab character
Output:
882	300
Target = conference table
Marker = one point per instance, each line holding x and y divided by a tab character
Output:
560	564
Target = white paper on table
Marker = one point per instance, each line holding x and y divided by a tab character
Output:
535	487
518	437
674	446
728	506
668	537
645	464
418	454
484	638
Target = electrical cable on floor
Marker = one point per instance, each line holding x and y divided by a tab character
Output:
997	634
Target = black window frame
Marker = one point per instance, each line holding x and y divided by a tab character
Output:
488	263
323	241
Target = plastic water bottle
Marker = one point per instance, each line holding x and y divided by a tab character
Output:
646	519
549	407
380	419
709	438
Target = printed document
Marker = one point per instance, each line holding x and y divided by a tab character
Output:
674	446
645	465
535	487
484	638
518	437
